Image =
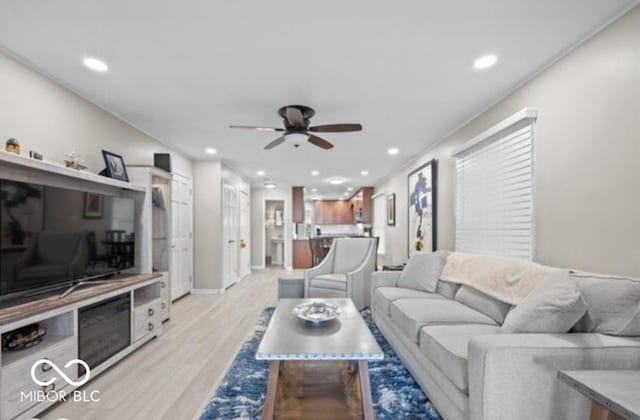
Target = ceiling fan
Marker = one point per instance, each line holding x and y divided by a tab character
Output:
296	119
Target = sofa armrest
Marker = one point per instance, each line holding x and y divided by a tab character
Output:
384	279
516	375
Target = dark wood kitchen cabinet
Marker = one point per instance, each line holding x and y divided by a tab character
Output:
297	204
301	254
362	205
333	212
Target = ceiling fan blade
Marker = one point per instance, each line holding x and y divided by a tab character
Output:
320	142
295	117
336	128
250	127
275	143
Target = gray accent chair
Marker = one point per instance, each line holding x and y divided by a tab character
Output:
52	257
345	272
453	344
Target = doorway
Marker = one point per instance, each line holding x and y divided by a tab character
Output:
274	233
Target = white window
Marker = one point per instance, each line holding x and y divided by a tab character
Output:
494	189
380	220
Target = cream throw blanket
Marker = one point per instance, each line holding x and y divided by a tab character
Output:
506	279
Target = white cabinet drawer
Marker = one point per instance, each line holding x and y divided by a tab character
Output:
17	381
146	319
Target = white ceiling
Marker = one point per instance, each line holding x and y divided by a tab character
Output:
184	70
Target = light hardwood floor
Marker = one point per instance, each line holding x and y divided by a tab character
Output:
171	377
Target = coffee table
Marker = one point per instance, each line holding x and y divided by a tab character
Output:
326	373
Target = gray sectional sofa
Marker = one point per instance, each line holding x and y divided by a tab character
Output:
452	341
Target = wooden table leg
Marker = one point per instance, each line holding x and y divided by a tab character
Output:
365	390
272	388
600	412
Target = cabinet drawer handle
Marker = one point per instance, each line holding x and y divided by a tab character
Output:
163	305
45	367
164	284
49	388
150	327
151	312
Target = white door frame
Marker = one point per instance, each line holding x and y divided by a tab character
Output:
263	236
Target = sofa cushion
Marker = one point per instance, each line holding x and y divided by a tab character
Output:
410	315
384	296
483	303
422	271
553	307
447	288
333	281
447	347
613	304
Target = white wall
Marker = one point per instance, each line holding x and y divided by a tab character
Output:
587	176
50	119
258	198
207	224
208	177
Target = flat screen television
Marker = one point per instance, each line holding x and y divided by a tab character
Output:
54	237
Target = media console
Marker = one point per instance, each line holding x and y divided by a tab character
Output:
78	324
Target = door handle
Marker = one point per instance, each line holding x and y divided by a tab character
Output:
231	241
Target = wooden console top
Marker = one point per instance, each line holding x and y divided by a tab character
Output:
25	310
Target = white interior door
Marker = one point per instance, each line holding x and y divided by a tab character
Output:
182	236
245	234
230	235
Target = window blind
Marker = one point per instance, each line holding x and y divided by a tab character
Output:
380	220
494	194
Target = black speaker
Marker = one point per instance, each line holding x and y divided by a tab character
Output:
162	161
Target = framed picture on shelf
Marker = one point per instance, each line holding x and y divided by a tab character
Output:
93	206
391	209
422	185
116	168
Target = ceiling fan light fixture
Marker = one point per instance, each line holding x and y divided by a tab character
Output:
297	137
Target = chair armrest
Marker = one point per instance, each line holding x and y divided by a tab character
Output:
359	280
515	375
324	267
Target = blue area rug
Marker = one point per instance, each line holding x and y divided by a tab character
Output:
241	395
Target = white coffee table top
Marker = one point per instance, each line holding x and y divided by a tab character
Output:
290	338
616	390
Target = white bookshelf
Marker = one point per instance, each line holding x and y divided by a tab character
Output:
155	231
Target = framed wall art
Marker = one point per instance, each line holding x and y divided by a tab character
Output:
391	209
422	207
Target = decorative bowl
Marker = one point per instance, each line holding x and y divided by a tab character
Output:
317	312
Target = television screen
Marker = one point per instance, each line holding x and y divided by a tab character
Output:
52	236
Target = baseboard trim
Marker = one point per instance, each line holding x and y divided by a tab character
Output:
207	291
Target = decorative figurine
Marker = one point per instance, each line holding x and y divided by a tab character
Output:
74	161
12	146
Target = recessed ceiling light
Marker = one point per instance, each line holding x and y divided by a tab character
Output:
393	151
270	184
485	62
350	189
210	151
95	64
364	173
260	173
336	181
346	194
314	189
315	173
